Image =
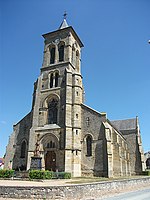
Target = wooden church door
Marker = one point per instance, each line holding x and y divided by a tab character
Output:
50	161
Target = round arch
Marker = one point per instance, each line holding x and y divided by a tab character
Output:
50	146
48	138
48	98
88	134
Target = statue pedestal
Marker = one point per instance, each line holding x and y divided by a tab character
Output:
36	162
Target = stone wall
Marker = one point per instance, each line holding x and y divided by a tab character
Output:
13	151
71	192
135	154
91	126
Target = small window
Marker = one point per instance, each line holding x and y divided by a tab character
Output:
52	111
51	81
87	121
77	60
77	116
48	145
51	144
56	79
73	55
23	149
89	145
76	132
52	55
61	53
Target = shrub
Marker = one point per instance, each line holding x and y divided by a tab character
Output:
67	175
40	174
6	173
48	174
36	174
146	173
62	175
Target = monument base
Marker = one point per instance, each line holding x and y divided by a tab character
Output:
36	163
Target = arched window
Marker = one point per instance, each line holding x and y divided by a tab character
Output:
56	79
52	55
73	55
52	111
89	145
23	149
51	81
51	144
48	145
77	60
61	53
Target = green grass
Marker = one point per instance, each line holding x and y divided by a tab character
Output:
80	180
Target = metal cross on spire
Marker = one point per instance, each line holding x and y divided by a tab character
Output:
65	15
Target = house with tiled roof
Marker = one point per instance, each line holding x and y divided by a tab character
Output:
1	163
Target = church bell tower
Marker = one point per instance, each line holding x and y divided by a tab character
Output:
57	100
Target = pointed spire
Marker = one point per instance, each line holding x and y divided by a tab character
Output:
64	22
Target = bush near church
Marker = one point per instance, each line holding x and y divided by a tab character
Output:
62	175
41	174
5	173
146	173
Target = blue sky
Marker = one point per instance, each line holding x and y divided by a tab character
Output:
115	57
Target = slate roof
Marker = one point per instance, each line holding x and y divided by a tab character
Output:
127	124
63	24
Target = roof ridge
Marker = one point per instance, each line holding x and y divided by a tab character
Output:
91	109
116	128
123	119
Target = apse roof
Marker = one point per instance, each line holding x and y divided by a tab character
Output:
127	124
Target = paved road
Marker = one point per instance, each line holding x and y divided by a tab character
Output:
136	195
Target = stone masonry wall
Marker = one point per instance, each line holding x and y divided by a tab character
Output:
13	151
70	192
135	157
91	125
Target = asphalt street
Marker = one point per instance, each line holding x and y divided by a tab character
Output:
143	194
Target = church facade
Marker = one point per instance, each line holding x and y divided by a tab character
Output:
64	132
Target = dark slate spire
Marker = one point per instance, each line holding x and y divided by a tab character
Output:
64	22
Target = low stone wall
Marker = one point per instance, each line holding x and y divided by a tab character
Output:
70	192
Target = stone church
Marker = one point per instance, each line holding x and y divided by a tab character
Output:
65	133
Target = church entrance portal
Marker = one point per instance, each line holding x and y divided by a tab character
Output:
50	161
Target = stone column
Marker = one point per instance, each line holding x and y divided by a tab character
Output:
53	80
56	54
